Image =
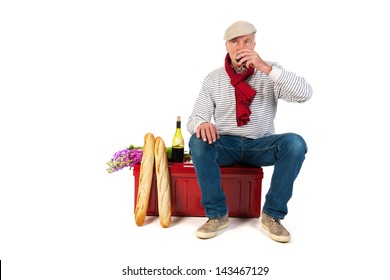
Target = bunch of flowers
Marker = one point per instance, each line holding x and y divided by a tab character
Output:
133	155
125	158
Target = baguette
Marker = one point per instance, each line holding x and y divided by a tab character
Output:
163	183
145	179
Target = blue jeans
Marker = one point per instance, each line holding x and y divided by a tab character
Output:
286	152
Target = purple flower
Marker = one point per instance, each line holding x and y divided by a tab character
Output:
125	158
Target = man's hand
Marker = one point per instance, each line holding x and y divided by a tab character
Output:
208	132
252	58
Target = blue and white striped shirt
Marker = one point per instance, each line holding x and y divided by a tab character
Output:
216	101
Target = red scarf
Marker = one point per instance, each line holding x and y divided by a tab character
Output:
244	93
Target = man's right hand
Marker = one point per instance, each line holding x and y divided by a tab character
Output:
208	132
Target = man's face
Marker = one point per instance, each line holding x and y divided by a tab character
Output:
240	43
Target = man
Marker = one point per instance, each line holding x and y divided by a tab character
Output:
242	99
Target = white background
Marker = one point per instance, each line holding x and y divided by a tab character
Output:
80	80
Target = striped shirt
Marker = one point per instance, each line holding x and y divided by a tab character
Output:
216	101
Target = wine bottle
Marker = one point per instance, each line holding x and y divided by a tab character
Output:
178	143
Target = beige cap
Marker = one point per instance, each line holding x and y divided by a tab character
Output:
239	28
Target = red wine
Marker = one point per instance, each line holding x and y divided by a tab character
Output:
177	155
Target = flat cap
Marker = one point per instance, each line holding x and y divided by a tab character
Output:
239	28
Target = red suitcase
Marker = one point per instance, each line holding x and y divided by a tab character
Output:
241	184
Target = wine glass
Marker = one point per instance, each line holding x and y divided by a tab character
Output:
242	68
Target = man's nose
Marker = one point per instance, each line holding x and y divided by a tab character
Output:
240	46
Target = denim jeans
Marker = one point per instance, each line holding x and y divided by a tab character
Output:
286	152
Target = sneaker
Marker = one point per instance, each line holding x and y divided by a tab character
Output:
212	226
275	229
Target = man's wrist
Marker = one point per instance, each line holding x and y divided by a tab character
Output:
267	69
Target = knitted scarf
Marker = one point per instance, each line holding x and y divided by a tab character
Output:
243	92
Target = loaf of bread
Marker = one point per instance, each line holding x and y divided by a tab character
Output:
163	182
145	179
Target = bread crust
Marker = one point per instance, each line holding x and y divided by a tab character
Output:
163	182
145	179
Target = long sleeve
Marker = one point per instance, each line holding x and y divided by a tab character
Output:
289	86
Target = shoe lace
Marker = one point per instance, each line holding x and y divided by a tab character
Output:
276	221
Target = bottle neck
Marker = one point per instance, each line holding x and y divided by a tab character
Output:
178	125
